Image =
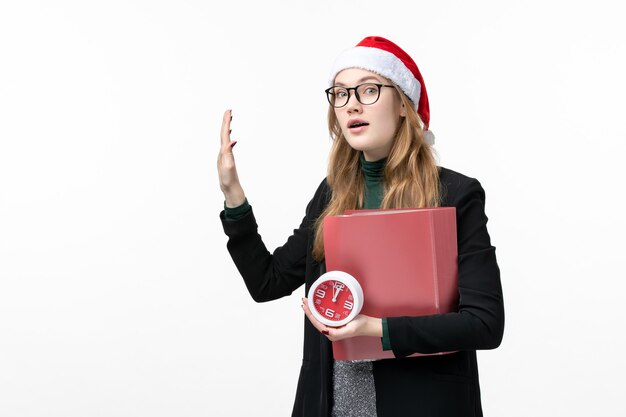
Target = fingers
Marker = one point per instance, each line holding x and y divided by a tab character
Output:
225	132
317	324
357	327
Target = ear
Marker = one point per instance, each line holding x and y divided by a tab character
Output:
402	110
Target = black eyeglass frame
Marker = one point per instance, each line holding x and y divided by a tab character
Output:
356	94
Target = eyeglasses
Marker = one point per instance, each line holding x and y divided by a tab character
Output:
365	94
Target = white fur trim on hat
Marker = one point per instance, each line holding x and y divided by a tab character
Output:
381	62
429	137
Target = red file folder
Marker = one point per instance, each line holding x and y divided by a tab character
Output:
404	259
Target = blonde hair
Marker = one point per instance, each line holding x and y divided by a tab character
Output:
411	175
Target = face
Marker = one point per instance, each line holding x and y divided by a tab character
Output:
333	300
369	128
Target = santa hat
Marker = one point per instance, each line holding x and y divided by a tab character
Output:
385	58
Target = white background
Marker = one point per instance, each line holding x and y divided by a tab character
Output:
117	294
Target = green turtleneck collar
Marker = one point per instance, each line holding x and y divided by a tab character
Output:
373	170
373	173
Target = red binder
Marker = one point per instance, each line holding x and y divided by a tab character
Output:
404	259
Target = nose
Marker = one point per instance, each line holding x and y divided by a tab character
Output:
353	105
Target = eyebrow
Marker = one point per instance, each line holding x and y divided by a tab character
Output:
368	77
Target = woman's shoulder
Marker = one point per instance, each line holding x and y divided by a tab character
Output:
453	177
323	190
320	199
455	185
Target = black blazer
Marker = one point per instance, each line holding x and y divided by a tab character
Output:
428	386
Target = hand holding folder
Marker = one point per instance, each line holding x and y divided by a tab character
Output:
405	261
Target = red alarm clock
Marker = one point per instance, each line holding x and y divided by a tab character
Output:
335	298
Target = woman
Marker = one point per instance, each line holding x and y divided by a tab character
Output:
381	158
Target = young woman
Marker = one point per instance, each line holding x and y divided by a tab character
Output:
381	157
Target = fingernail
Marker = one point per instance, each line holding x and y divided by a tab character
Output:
325	332
232	145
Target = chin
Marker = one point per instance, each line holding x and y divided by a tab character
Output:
358	144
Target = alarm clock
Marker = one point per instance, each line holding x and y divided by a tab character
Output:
335	298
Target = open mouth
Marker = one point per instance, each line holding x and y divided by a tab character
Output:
358	124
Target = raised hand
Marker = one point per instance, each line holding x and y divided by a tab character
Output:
226	168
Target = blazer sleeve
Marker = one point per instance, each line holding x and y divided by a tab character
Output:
268	276
479	322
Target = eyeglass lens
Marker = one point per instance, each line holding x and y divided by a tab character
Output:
365	94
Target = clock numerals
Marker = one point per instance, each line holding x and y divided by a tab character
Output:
333	300
337	288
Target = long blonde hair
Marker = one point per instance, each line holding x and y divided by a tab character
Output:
411	175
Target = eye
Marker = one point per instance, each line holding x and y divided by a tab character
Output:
340	93
370	90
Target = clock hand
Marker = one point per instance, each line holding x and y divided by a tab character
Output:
336	289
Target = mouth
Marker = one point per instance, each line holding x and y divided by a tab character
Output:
354	124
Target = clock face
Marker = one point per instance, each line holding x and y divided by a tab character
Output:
335	298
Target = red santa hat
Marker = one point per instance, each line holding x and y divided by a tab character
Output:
385	58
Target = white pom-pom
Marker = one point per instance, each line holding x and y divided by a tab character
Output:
429	137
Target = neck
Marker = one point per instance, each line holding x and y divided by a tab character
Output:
373	170
372	157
